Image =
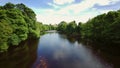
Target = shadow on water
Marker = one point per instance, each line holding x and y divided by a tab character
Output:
22	56
108	52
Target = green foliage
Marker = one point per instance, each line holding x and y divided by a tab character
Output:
62	26
9	6
71	27
17	23
46	27
5	32
103	28
3	47
14	39
79	28
68	28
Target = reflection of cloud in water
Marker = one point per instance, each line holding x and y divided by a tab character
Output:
76	56
59	55
68	55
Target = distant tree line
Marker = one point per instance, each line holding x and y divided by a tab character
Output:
104	28
18	23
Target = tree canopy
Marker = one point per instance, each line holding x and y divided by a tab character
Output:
103	28
18	23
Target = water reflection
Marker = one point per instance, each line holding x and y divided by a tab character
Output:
109	52
56	50
59	52
42	63
22	56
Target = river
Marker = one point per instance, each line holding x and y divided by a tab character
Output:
54	50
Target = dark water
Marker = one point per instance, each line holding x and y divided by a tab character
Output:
54	50
22	56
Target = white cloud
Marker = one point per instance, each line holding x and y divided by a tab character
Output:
104	2
87	4
80	12
53	5
55	19
104	11
61	2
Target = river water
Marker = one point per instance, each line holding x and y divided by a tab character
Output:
53	50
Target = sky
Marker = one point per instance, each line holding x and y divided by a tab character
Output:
55	11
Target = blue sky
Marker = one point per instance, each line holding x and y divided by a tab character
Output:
55	11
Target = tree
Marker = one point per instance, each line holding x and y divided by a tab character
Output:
17	23
62	26
71	27
9	6
103	28
5	33
79	28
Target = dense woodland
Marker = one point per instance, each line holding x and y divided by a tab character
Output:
18	23
104	28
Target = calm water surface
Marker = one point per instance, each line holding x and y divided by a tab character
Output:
53	50
56	51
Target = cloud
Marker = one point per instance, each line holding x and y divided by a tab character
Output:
80	12
104	2
55	19
53	5
86	4
61	2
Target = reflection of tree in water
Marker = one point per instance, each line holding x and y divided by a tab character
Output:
71	39
42	63
108	52
22	56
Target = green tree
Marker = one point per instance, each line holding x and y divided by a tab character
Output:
79	28
17	23
62	26
71	27
9	6
5	33
103	28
